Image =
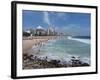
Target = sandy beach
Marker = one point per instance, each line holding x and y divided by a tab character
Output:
28	42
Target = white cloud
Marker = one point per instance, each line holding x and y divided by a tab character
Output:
63	16
46	18
75	30
60	14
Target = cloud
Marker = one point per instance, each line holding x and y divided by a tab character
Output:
46	18
75	30
61	14
51	18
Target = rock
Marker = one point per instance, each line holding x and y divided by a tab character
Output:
85	64
55	61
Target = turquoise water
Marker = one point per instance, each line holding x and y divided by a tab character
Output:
64	49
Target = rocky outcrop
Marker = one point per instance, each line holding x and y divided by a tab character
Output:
34	62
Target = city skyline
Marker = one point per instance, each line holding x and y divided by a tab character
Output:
66	22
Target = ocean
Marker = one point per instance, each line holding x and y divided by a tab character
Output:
63	49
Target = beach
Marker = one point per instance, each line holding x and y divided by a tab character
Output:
50	52
28	42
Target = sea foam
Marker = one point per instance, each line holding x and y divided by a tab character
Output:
87	41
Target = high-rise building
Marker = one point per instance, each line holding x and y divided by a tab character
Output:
50	31
40	31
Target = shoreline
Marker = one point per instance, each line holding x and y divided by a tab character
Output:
29	42
31	47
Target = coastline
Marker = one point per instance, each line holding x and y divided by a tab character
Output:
33	61
28	42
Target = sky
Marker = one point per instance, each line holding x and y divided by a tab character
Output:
66	22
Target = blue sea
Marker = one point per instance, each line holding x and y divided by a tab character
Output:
63	49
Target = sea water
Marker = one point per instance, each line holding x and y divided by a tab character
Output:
63	49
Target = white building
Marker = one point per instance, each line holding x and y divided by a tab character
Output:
40	31
50	31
